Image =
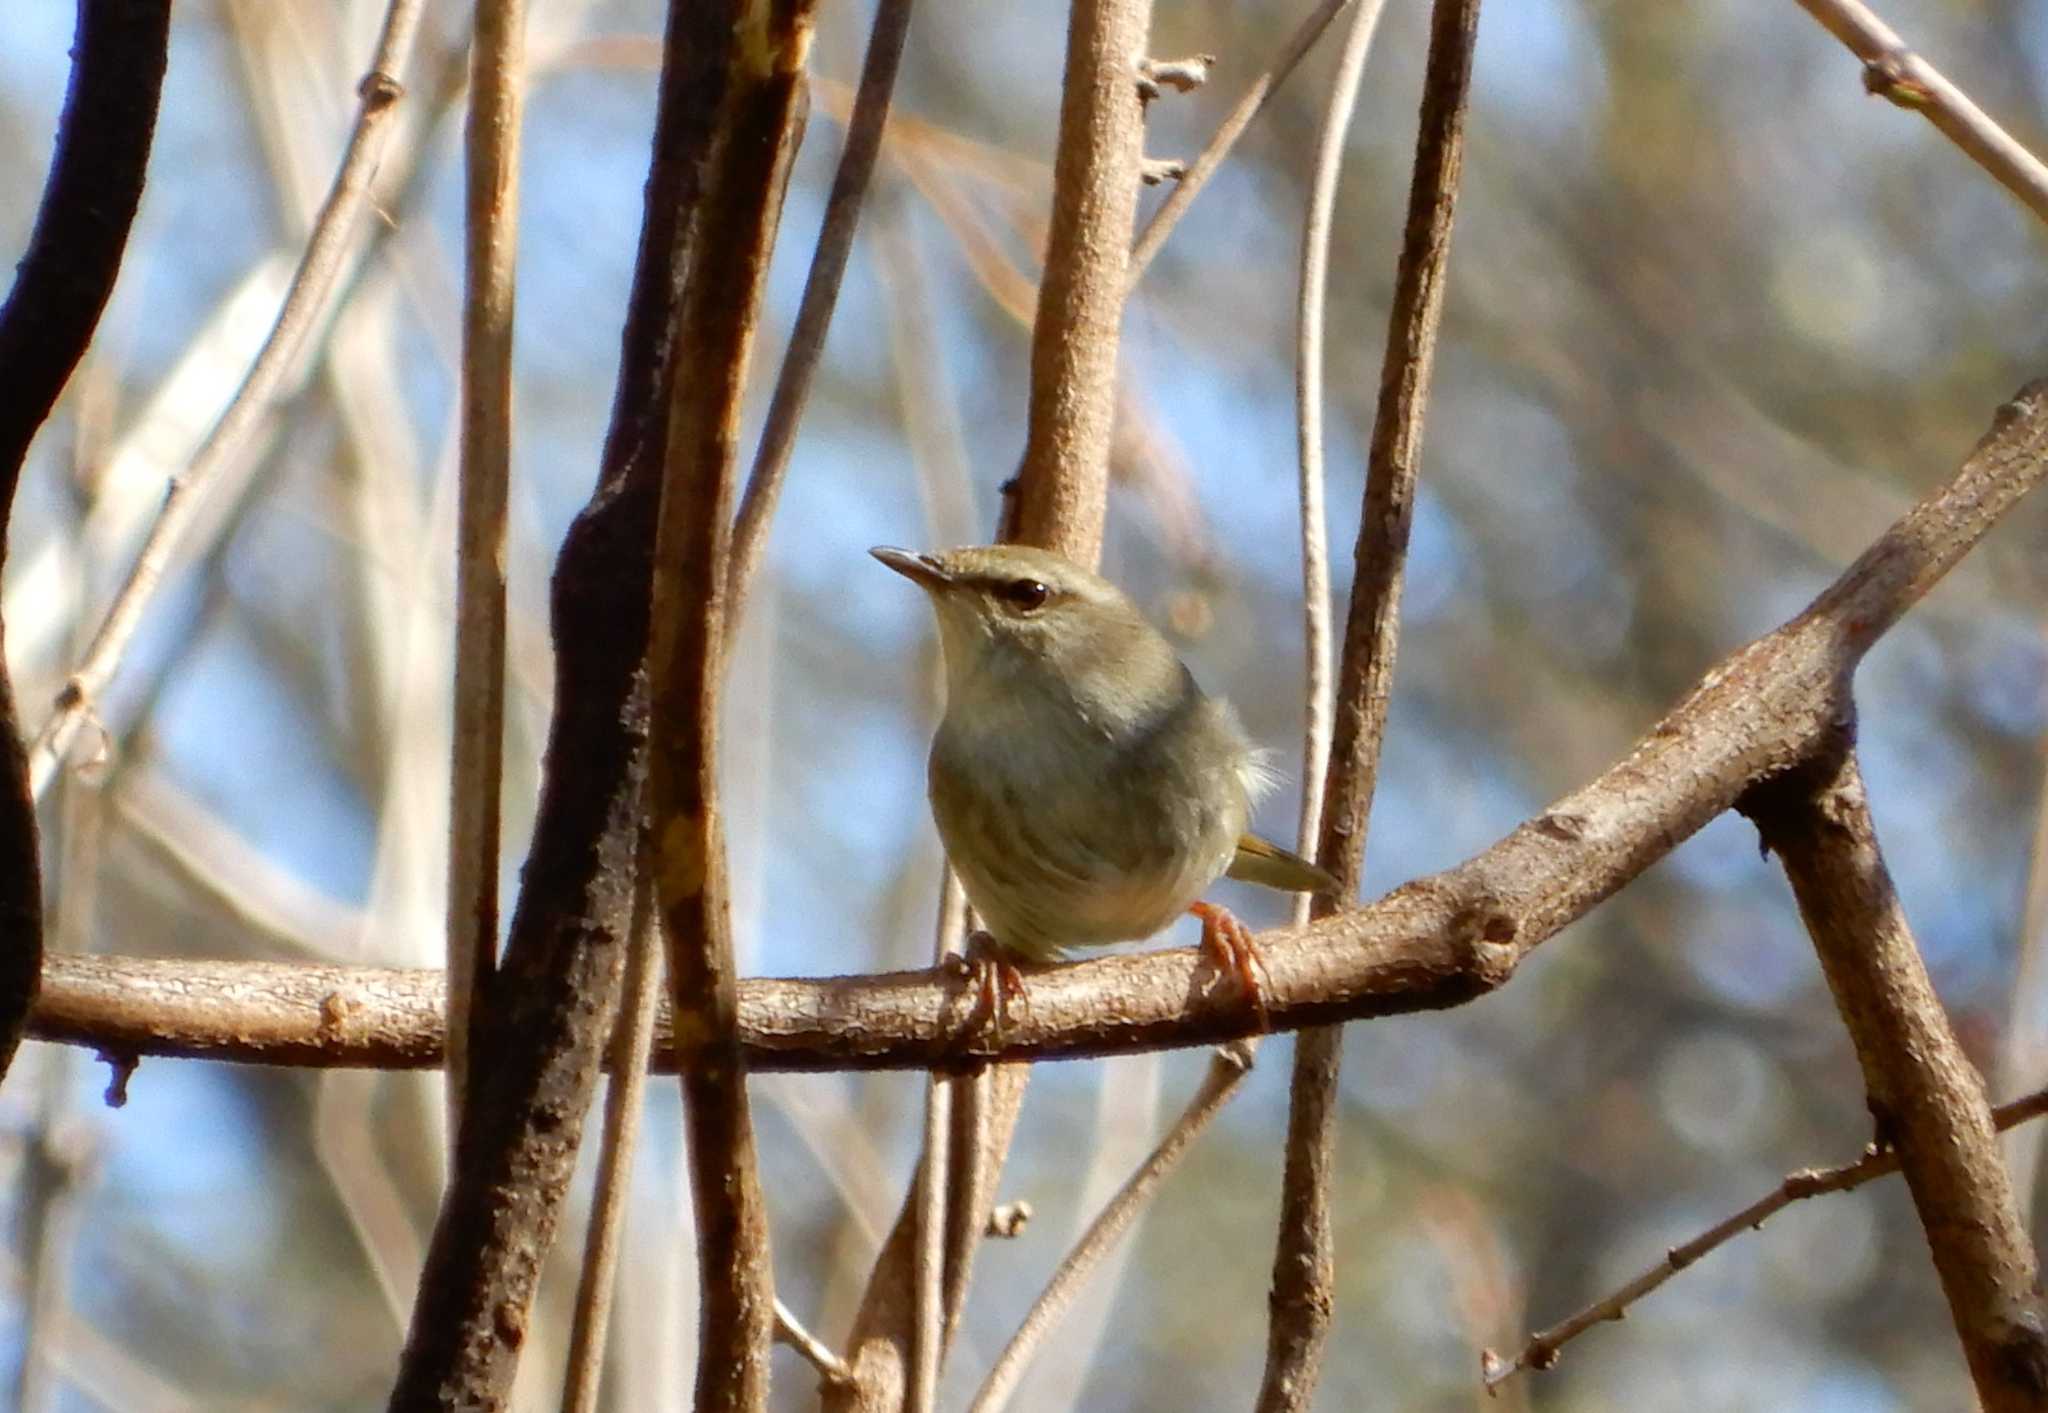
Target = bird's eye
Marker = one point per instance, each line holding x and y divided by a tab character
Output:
1024	595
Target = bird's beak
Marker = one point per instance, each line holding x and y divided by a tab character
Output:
924	570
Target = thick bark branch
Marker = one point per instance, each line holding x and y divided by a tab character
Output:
538	1044
1926	1096
61	286
1435	942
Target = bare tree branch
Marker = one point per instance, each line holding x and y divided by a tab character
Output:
626	1057
1894	72
1063	483
1541	1350
1256	96
731	240
311	296
477	770
540	1041
61	286
1927	1098
1435	942
864	127
1304	1275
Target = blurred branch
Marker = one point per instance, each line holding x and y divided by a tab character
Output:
731	239
1895	73
1435	942
1256	96
626	1057
790	1331
1541	1350
539	1042
307	302
1926	1097
850	183
61	285
477	770
1226	1071
1304	1271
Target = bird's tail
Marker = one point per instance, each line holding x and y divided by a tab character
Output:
1263	862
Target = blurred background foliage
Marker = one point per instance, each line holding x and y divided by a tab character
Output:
1715	318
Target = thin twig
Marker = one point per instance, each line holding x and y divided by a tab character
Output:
1226	1071
1895	73
1541	1350
477	771
1304	1275
937	1185
821	295
277	365
790	1331
759	124
1253	103
632	1042
1926	1097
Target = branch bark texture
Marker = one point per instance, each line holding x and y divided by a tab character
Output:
1438	941
537	1046
730	243
61	287
1927	1098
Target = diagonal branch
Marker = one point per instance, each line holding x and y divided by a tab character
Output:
1894	72
315	286
60	288
1435	942
1540	1352
731	240
1927	1098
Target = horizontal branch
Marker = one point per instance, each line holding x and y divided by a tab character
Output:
1433	943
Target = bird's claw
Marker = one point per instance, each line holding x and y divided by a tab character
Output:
1230	947
996	981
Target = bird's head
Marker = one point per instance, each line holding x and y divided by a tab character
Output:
1013	618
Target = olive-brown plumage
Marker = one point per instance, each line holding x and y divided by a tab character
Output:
1085	788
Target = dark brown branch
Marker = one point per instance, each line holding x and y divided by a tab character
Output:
1304	1277
730	243
61	286
1927	1098
1541	1350
538	1048
1435	942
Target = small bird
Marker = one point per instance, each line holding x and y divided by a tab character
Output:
1085	788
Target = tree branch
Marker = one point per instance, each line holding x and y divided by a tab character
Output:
61	286
1541	1350
1304	1275
1436	942
477	766
1896	73
730	243
1926	1097
543	1030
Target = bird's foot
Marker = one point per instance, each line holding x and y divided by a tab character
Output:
996	980
1229	946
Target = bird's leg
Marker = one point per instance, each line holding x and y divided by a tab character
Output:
996	981
1230	947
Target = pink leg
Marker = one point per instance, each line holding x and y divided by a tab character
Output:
1229	945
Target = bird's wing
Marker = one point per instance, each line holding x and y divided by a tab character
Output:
1261	861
